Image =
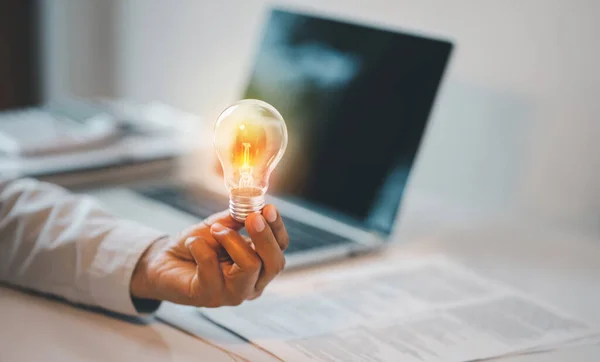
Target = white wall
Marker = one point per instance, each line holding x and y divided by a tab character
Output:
77	40
516	126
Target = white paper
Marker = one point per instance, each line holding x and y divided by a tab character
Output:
427	310
577	342
188	319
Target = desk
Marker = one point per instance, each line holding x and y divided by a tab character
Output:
38	329
559	267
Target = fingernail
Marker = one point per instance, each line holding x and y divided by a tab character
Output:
258	223
270	214
190	240
216	227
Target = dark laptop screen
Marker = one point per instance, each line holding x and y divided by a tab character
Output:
356	101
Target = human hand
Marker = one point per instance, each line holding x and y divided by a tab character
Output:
211	264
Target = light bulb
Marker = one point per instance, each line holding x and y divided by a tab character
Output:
250	138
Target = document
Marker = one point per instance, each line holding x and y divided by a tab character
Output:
423	310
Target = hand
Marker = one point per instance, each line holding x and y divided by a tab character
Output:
211	264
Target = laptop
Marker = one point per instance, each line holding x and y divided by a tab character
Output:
356	100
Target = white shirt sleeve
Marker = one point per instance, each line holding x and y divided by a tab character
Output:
63	244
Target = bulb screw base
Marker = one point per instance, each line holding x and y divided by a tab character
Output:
242	204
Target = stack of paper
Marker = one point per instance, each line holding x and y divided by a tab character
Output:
426	310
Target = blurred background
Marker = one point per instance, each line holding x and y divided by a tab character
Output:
514	132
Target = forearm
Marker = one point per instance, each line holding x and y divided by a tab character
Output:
67	245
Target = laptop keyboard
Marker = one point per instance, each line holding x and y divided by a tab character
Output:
303	237
181	200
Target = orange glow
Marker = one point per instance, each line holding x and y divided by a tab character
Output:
249	146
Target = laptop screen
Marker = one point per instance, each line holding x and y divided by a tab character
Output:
356	101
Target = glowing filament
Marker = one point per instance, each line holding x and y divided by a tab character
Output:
246	154
246	170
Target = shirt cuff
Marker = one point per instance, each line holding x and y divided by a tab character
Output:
113	265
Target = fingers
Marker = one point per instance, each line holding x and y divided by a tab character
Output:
225	219
212	287
203	230
241	253
267	248
241	277
249	266
249	241
210	282
276	223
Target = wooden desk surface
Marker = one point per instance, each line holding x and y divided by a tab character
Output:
35	328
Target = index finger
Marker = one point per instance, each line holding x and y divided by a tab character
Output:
267	248
236	246
276	223
225	219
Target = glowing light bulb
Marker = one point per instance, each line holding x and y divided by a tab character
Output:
250	138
